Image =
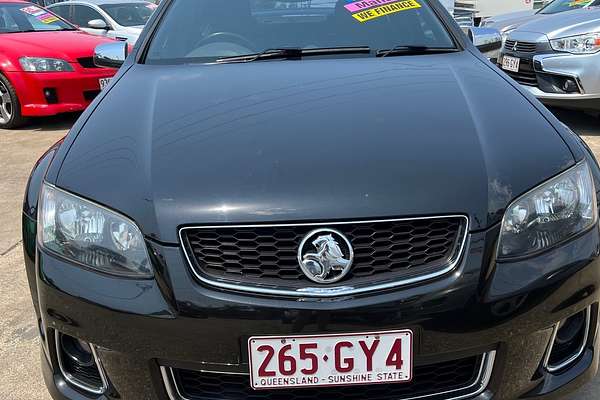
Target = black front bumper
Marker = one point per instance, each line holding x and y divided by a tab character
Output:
140	326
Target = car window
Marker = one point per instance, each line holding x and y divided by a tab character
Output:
129	14
20	17
62	10
205	30
558	6
84	14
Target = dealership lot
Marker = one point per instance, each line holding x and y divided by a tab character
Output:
20	376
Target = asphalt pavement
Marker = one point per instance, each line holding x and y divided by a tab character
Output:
20	376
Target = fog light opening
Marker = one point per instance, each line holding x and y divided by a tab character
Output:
79	364
568	341
50	95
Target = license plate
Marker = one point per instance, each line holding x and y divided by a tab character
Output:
511	63
103	82
330	360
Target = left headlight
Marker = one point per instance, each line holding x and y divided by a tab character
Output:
549	214
581	44
91	235
37	64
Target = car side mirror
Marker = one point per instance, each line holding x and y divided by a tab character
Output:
97	24
487	40
110	55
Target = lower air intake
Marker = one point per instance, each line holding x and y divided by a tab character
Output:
457	378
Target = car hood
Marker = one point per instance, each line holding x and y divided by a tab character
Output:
513	20
569	23
67	45
311	140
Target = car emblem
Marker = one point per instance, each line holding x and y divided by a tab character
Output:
515	46
325	256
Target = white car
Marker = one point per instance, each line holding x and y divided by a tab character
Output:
117	19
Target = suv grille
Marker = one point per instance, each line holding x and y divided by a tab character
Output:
458	377
267	255
522	47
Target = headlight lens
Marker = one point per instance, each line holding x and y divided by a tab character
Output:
549	214
582	44
37	64
91	235
505	34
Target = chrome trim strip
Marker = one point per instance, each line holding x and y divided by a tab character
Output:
479	385
330	291
575	356
74	381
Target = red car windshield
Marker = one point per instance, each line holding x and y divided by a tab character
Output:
26	17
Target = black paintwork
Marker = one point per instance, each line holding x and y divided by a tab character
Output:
316	140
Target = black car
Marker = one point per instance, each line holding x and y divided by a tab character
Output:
313	200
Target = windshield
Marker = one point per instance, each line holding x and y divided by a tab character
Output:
207	30
20	17
558	6
129	14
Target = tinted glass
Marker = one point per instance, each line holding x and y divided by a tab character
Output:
130	14
29	18
204	30
62	10
84	14
558	6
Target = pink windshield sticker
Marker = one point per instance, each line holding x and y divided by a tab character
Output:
364	4
33	10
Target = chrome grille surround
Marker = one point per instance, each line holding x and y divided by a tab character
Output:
327	291
520	46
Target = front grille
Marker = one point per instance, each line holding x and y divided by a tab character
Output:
87	62
267	255
521	47
463	377
526	75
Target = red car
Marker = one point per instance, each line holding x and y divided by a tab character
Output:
46	64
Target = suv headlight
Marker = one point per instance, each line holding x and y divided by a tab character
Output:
549	214
91	235
581	44
37	64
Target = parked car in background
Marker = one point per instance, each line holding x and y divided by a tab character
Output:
117	19
506	23
557	58
46	64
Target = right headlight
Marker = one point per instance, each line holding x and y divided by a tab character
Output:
91	235
581	44
549	214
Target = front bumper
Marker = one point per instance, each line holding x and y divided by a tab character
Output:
74	91
172	321
581	69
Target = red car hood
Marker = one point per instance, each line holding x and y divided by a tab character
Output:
66	45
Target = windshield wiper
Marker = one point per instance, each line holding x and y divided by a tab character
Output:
294	53
412	50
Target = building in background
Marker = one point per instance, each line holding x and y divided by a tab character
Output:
471	12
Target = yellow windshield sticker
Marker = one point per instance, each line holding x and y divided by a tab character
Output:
576	3
381	11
